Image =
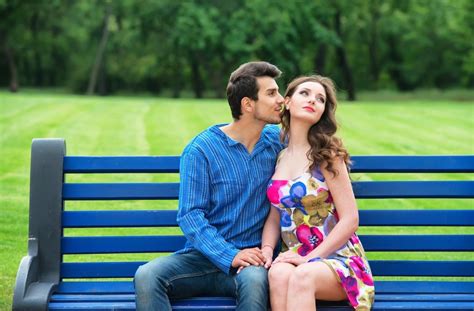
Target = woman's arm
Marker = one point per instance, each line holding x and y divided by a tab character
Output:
270	236
344	200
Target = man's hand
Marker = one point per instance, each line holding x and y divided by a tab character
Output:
247	257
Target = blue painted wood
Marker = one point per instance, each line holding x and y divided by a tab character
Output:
423	305
124	164
99	287
422	268
120	191
416	217
413	189
121	244
167	218
413	164
362	189
368	164
379	268
71	298
151	244
418	242
127	218
383	287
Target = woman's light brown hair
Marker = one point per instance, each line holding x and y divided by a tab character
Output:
325	146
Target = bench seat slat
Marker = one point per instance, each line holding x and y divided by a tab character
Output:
94	219
150	244
120	191
163	218
362	190
413	164
379	268
125	164
413	189
416	217
382	287
368	164
121	244
383	305
380	297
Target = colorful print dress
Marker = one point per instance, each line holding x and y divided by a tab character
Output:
307	216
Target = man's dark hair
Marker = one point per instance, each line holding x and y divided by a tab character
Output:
243	83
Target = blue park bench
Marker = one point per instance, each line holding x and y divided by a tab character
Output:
46	281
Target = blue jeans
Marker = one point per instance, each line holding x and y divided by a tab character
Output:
190	275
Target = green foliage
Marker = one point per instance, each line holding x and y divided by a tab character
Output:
195	44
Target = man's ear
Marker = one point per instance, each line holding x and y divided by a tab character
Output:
246	104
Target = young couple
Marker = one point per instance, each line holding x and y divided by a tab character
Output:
242	191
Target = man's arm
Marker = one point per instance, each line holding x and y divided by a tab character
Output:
194	202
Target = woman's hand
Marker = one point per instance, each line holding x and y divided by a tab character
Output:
291	257
267	252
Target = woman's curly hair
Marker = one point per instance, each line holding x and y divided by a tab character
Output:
325	146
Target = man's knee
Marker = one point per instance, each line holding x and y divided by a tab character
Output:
151	275
253	275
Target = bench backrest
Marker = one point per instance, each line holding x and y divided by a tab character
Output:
458	185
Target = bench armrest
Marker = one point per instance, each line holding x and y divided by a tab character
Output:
39	271
30	293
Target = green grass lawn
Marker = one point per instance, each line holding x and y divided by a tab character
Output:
151	126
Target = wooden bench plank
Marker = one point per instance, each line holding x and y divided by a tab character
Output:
382	287
362	190
366	164
125	164
171	243
379	268
380	297
413	189
120	191
167	218
413	164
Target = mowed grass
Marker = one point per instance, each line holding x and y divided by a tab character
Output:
153	126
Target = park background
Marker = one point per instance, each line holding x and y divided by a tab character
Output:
144	77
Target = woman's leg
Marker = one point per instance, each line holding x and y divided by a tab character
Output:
311	281
278	277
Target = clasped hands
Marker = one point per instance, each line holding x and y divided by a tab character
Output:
264	257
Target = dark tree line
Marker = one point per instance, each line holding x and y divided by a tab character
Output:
105	46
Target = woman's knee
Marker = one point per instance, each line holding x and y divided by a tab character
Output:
279	274
303	278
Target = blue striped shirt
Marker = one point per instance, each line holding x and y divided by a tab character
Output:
222	196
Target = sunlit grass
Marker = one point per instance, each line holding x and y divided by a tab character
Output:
151	126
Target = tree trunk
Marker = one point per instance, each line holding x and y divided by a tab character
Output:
13	72
342	59
100	53
396	62
373	42
320	59
198	83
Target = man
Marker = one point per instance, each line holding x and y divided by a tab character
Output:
224	173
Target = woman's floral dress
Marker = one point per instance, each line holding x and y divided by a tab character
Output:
307	216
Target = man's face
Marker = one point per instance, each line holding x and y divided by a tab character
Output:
268	105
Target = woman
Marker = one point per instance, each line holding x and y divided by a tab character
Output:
314	208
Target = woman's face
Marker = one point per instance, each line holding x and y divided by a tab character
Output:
307	102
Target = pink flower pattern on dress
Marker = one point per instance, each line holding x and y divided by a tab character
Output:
273	190
310	238
361	271
350	285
